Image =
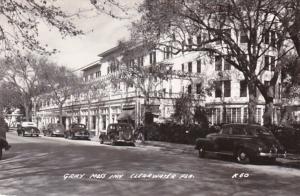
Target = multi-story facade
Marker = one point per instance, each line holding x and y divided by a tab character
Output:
227	101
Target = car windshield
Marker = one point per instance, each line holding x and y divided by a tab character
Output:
59	126
258	131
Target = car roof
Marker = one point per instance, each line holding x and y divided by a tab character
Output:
241	125
28	124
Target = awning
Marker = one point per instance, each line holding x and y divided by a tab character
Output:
126	115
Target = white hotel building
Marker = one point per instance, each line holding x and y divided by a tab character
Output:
201	70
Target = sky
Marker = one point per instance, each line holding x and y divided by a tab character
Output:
102	32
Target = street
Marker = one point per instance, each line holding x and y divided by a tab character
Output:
56	166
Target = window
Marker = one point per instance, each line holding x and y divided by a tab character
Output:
199	40
273	39
215	115
270	38
167	52
98	74
267	83
243	88
189	89
227	88
190	43
153	57
233	115
218	88
227	65
190	67
199	66
218	63
244	37
258	115
141	61
245	115
272	63
267	63
198	88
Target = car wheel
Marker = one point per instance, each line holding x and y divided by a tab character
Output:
71	136
201	152
140	138
242	157
101	140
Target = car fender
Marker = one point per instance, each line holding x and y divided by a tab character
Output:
205	143
250	146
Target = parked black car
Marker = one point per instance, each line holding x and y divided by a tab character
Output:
118	133
54	129
28	129
77	131
246	142
289	137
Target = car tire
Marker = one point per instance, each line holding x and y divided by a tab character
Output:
101	140
242	157
71	136
201	152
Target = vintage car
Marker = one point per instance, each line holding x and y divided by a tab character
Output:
28	129
118	133
246	142
77	130
289	137
54	129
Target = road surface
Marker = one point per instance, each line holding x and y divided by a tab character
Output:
57	166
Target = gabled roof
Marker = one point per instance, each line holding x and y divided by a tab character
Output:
90	66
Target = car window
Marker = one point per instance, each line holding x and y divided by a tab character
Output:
257	130
227	130
238	131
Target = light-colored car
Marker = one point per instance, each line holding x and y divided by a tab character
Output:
28	129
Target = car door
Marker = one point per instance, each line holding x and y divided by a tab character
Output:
222	139
238	135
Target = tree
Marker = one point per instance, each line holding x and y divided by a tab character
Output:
20	22
61	84
23	76
241	32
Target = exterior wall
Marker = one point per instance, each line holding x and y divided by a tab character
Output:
101	111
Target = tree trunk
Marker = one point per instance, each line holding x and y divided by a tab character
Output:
269	109
60	113
27	111
252	103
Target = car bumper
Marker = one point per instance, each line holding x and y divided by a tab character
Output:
272	155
